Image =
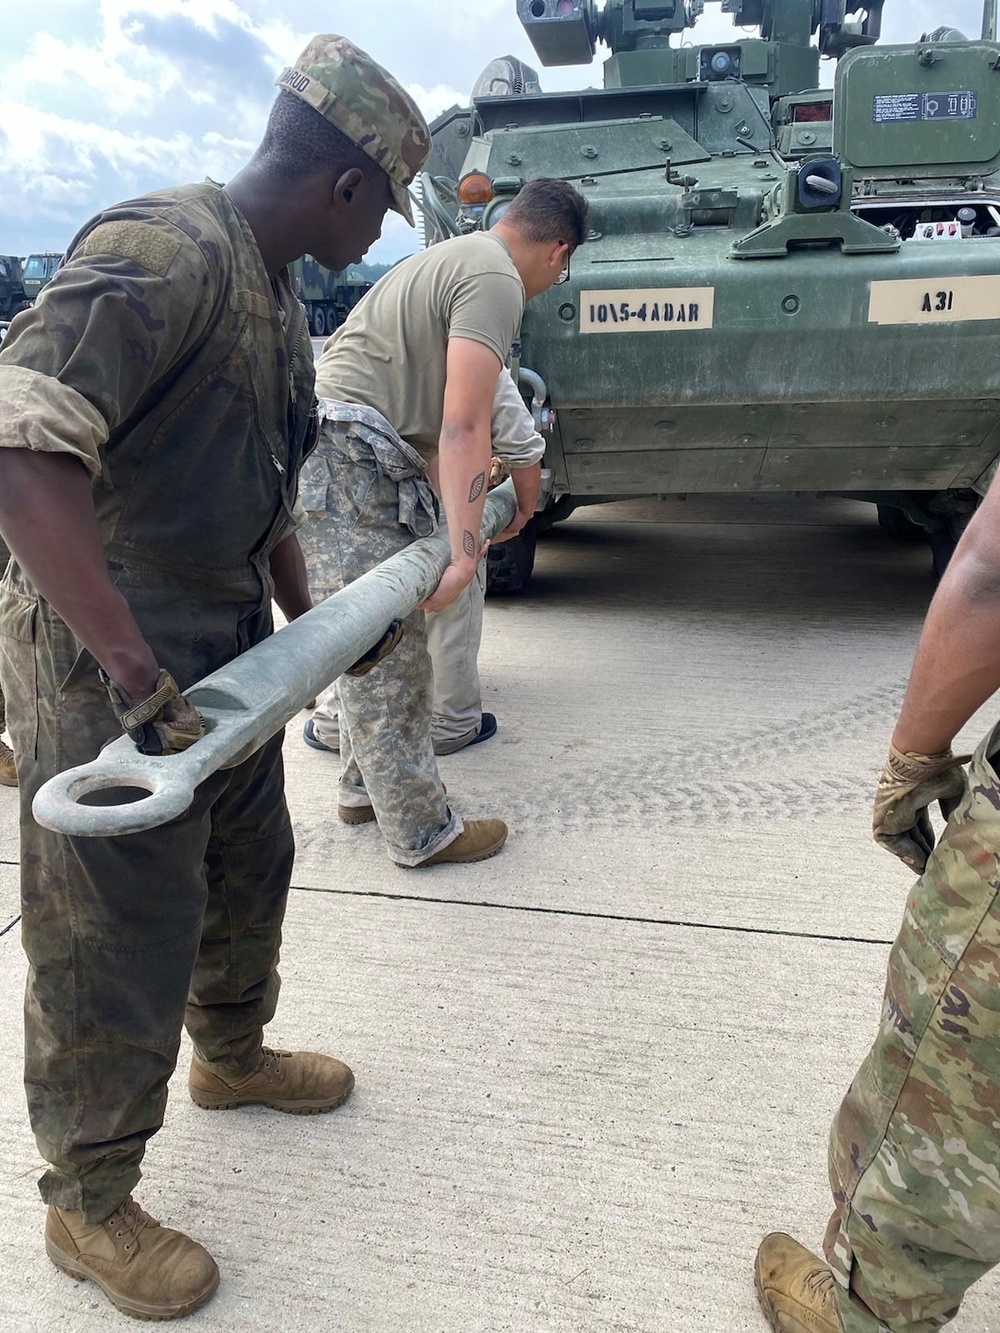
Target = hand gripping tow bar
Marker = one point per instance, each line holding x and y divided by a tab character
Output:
245	702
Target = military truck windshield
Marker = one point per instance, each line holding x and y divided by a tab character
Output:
40	267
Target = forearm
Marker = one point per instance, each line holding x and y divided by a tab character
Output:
463	467
47	519
957	664
291	584
527	486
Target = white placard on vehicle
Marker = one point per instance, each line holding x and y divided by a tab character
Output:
647	309
934	300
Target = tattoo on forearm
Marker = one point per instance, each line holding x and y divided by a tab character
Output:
476	489
468	543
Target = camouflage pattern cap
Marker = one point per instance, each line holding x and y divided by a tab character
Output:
344	84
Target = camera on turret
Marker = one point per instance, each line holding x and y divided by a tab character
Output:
718	63
561	31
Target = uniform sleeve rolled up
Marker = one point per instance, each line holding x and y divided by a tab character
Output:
126	307
38	412
515	438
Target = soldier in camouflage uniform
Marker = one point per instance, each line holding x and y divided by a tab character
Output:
914	1149
454	635
8	768
165	378
411	378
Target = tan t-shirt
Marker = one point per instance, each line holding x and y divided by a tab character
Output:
391	351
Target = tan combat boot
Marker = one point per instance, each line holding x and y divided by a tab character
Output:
300	1082
356	814
795	1288
8	769
147	1271
478	841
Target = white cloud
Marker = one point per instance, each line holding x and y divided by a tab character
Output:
432	101
104	99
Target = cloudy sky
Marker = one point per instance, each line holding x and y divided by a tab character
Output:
102	99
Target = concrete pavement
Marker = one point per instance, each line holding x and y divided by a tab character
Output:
593	1071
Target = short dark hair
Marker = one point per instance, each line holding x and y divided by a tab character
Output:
549	210
299	142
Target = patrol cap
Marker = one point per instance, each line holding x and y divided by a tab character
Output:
344	84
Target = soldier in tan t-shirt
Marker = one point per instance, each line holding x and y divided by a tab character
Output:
406	392
392	353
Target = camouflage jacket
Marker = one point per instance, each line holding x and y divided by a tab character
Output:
162	355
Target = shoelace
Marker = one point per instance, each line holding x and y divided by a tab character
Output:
271	1060
128	1220
820	1282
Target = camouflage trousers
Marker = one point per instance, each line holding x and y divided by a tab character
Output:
454	636
915	1148
4	557
453	639
368	496
129	938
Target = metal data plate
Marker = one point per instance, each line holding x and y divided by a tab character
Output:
954	105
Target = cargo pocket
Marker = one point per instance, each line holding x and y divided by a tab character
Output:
313	496
18	669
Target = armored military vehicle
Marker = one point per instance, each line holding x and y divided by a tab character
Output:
786	287
328	297
39	270
12	297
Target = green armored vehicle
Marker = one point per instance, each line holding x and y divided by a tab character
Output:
12	297
39	270
786	287
328	297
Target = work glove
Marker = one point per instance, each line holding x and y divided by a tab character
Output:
499	472
909	783
165	723
378	651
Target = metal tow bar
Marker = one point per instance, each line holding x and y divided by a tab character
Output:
245	702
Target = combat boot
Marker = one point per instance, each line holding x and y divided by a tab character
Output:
479	840
356	814
147	1271
796	1289
300	1082
8	769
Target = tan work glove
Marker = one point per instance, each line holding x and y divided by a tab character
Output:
165	723
499	472
909	783
378	651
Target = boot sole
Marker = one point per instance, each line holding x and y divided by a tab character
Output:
463	858
218	1101
137	1309
356	814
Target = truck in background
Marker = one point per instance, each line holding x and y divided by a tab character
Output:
12	295
328	297
38	270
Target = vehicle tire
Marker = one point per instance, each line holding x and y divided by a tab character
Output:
331	319
945	539
509	565
900	525
318	322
